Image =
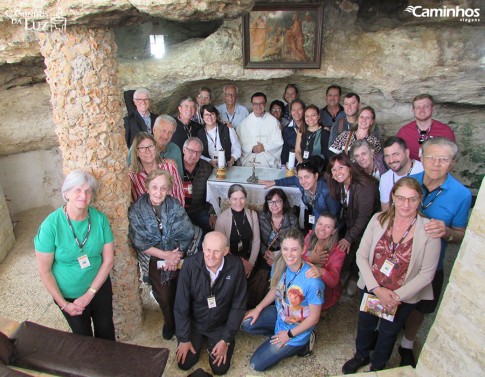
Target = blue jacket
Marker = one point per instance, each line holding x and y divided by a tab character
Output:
323	201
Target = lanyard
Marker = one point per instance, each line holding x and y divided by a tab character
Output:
275	232
214	141
345	196
233	115
393	245
291	281
409	172
188	176
235	225
310	139
159	219
80	245
423	207
187	128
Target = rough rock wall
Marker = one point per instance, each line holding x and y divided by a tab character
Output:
377	50
87	108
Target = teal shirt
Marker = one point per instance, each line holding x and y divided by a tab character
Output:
55	236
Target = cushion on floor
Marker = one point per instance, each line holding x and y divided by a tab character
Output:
66	354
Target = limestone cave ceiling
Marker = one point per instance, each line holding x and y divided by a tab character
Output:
133	40
19	21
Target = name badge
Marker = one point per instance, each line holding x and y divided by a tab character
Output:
83	261
420	152
387	267
189	188
239	246
306	154
311	219
211	302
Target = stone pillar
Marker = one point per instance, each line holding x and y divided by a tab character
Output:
82	73
7	238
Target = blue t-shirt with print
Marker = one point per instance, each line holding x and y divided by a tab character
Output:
301	292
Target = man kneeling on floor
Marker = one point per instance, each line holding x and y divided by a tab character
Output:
210	304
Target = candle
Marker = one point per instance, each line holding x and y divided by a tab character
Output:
291	161
221	159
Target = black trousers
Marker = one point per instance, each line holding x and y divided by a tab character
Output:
197	340
164	293
99	311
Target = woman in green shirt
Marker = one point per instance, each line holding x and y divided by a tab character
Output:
75	254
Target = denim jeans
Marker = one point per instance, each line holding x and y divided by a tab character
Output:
267	355
387	334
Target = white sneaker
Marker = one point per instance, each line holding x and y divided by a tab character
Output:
309	346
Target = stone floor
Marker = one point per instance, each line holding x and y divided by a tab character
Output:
23	297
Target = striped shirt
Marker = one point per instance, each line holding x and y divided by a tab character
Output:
138	183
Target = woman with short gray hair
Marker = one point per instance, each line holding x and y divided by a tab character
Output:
75	254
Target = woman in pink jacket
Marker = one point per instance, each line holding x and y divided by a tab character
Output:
322	251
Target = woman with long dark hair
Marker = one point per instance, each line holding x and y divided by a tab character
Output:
290	132
322	251
359	195
314	190
275	218
312	140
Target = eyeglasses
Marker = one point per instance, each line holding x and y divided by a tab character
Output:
441	160
203	97
147	148
209	115
144	100
422	134
276	110
192	152
274	202
399	199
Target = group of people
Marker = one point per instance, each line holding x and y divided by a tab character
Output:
378	218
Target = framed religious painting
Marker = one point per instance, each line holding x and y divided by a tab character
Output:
283	35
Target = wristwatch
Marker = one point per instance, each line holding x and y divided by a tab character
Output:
92	290
290	334
227	343
450	237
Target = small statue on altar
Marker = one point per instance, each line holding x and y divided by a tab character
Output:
253	178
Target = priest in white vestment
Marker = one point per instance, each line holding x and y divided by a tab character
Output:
260	136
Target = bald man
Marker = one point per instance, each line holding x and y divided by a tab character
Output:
210	304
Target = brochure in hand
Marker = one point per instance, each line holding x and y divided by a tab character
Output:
372	305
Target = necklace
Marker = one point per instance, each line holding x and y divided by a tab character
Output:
409	172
